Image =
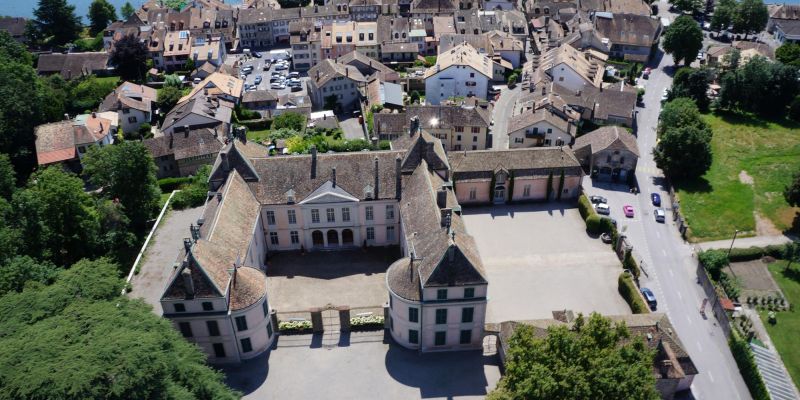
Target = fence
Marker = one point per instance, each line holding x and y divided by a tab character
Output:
676	211
713	298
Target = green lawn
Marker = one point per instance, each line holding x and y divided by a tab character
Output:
257	136
784	332
163	200
717	204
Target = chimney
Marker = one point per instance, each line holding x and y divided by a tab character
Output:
66	117
313	162
219	196
333	177
346	72
441	198
224	156
377	181
170	139
188	284
186	131
398	175
445	214
187	244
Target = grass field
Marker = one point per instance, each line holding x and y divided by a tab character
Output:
784	332
258	136
718	203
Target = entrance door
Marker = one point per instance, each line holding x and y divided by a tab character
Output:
317	239
347	237
333	238
499	194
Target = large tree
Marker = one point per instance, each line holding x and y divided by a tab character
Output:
8	178
683	39
289	120
678	112
78	338
126	172
130	58
760	86
723	15
56	22
688	6
789	54
750	17
18	271
101	13
692	83
168	97
57	217
127	10
684	152
594	359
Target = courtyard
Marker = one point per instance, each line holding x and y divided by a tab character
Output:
538	258
355	278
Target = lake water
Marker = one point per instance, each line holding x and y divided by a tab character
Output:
24	8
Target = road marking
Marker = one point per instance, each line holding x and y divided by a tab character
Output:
664	252
679	296
710	376
699	347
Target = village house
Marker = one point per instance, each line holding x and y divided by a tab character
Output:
369	67
784	23
208	49
460	72
566	66
340	38
219	85
15	26
332	80
183	152
608	153
177	49
458	127
74	65
200	111
66	142
384	94
717	56
539	127
612	104
133	104
632	36
306	39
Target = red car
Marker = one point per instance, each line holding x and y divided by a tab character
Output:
628	210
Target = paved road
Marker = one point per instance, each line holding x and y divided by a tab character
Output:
670	263
500	116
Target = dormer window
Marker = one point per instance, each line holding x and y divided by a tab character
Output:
290	196
369	192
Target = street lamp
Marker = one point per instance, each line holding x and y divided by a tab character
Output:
733	240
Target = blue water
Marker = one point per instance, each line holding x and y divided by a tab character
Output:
24	8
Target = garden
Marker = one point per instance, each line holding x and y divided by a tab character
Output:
785	325
753	161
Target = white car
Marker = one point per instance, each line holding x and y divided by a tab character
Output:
602	208
294	75
281	67
665	95
278	85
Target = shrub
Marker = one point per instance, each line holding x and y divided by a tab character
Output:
385	145
195	193
732	285
244	114
145	130
629	263
585	207
627	289
169	184
294	327
257	125
713	261
607	227
746	254
594	224
747	366
373	322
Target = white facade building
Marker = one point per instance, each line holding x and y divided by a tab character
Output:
459	72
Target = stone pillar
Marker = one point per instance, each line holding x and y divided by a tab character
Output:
386	316
316	320
344	318
273	318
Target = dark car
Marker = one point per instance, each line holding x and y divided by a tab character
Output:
598	199
256	54
656	199
650	298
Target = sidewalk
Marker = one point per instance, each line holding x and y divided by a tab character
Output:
759	241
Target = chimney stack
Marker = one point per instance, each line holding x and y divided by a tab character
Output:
94	114
398	187
224	157
187	244
377	180
313	162
188	284
170	139
445	214
333	176
186	131
441	198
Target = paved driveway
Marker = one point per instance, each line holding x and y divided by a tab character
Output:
161	254
538	258
364	366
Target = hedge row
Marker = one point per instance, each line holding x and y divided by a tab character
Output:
627	289
585	207
169	184
629	263
747	366
755	253
257	125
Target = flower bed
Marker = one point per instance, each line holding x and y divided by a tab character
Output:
366	323
294	327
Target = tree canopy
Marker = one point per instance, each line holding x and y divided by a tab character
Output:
130	58
723	15
101	13
684	151
789	54
681	111
688	6
692	83
168	97
760	86
683	39
20	270
78	338
127	10
289	120
55	23
792	191
126	172
750	17
595	359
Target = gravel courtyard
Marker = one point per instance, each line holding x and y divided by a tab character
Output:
538	259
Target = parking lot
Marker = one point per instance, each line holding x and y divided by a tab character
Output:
258	65
538	259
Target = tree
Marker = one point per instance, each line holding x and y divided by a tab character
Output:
8	178
20	270
594	359
792	192
714	261
688	6
414	98
129	57
692	83
794	109
127	10
189	65
681	111
789	54
126	172
56	217
723	15
56	22
168	97
512	79
791	253
750	17
684	152
101	13
683	39
289	120
107	346
173	80
86	93
760	86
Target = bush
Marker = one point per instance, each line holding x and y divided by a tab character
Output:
594	224
195	193
146	130
294	327
245	114
385	145
169	184
290	120
713	261
374	322
747	366
607	227
731	285
630	264
585	207
627	289
746	254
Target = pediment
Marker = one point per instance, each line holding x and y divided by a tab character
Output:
327	193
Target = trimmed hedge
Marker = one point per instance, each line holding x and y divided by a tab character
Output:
594	224
754	253
630	264
747	366
169	184
585	207
627	289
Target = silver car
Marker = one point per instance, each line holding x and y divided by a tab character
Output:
660	215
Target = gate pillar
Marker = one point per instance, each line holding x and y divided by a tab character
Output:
316	320
344	318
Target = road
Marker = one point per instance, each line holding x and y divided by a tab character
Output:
669	262
500	115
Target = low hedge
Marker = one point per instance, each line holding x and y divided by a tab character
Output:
627	289
169	184
257	125
294	327
754	253
585	207
594	224
747	366
369	323
629	263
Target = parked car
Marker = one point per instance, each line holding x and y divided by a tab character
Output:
256	54
281	67
602	208
598	199
605	237
701	55
278	85
656	198
650	298
628	210
296	88
294	75
646	73
660	215
258	80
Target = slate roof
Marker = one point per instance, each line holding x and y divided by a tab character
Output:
328	69
608	137
15	26
528	162
182	145
72	65
530	117
628	29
